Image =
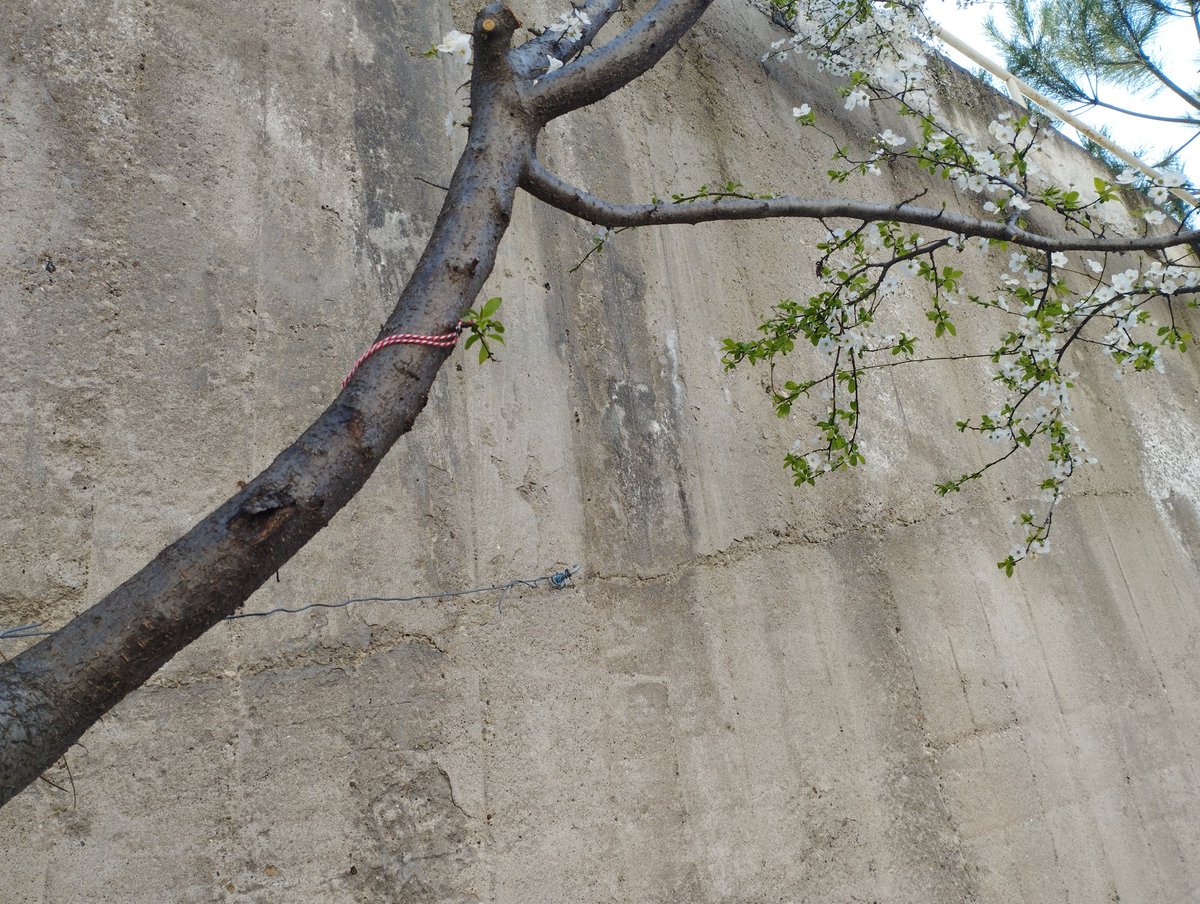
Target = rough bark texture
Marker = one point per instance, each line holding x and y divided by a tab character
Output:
53	692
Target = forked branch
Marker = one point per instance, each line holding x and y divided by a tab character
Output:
532	57
616	64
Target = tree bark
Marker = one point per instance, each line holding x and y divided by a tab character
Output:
51	693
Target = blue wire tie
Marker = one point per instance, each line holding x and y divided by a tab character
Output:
559	581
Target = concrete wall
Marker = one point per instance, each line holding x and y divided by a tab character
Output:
753	693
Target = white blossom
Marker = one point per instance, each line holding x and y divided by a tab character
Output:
1002	131
1123	282
455	43
570	25
974	182
857	98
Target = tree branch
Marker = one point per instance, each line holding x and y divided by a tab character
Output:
552	190
51	693
1136	40
1094	100
532	58
618	62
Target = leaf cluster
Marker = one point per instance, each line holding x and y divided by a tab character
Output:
484	328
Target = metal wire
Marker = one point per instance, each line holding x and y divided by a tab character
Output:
556	581
29	630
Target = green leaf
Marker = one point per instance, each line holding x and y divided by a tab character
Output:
490	308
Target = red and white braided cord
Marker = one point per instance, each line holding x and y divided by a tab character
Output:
444	340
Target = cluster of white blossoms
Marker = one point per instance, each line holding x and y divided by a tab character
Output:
1004	172
1051	317
1157	188
1047	300
570	25
457	44
843	40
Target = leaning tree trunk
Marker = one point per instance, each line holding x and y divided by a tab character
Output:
52	693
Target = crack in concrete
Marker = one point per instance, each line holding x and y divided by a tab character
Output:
385	639
337	660
741	548
450	792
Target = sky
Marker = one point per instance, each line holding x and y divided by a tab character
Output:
1178	52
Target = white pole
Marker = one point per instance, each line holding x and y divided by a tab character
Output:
1019	91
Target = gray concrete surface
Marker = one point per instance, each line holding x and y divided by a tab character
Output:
753	693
